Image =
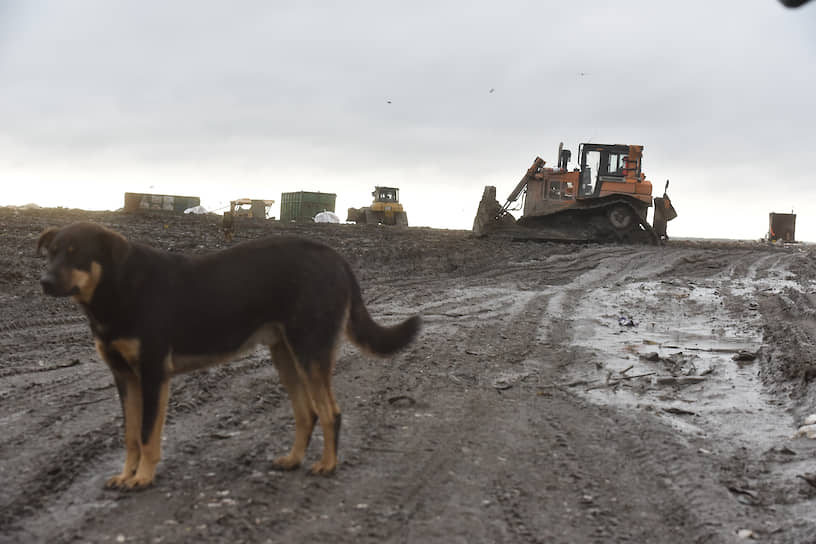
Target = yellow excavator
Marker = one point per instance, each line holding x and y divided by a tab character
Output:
606	198
385	210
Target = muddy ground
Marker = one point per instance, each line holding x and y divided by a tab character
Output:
557	393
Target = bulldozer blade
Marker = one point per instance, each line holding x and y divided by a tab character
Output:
490	217
670	212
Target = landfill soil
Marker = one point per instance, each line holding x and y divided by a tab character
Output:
557	393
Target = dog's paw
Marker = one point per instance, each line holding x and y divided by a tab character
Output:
116	482
322	469
285	463
137	482
128	483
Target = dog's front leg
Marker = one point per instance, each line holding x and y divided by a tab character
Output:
155	386
130	395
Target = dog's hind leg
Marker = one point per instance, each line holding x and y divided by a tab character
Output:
304	412
318	383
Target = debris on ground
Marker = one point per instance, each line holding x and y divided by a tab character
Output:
627	321
808	431
677	364
744	357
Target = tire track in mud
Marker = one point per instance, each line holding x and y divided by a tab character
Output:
13	327
92	438
430	468
396	511
784	296
742	278
50	410
40	345
433	474
44	482
520	522
661	455
756	288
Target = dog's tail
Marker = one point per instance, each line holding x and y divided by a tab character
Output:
371	336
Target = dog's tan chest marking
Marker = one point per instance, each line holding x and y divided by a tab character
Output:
86	281
129	349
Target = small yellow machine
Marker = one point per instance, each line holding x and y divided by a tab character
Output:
386	209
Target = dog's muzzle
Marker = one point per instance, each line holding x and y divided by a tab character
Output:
51	288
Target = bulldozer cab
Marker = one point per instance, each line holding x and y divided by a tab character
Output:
385	194
606	163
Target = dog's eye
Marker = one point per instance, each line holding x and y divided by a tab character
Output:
70	249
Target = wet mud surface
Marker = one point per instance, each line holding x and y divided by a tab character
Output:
557	393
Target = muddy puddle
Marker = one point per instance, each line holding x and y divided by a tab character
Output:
681	351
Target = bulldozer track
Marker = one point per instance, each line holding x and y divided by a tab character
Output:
591	223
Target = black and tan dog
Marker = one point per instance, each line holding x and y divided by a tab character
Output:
156	314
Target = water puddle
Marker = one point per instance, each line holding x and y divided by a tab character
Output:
678	359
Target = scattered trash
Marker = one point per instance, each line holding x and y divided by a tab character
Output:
502	383
746	534
625	321
679	411
744	357
745	496
613	381
679	380
402	401
808	431
463	378
507	379
221	435
678	364
326	217
197	210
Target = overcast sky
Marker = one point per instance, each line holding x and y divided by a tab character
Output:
251	99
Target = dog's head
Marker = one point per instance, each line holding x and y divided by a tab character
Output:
79	256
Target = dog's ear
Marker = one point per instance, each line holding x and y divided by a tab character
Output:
45	239
117	245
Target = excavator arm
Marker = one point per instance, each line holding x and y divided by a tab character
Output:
521	187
